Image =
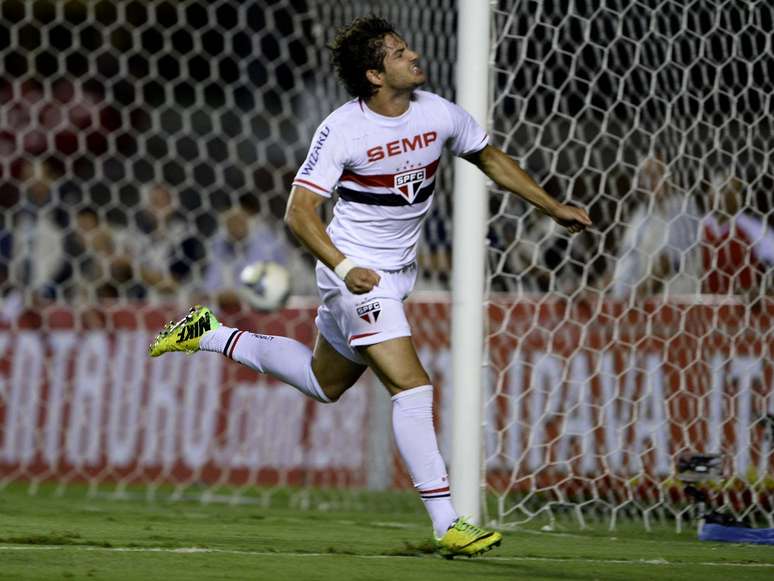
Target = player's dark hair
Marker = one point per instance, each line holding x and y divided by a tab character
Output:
358	48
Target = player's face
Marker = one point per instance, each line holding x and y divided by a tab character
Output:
401	65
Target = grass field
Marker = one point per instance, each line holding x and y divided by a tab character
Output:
74	537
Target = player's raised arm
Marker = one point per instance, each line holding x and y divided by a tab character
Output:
303	218
506	173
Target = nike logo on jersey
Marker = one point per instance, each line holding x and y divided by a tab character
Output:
399	146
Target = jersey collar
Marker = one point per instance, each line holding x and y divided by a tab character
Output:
383	119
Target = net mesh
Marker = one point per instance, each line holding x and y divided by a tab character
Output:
139	139
647	338
140	142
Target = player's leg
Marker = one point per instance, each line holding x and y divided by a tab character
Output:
335	372
376	326
286	359
397	365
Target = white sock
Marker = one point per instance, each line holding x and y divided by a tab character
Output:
412	424
283	358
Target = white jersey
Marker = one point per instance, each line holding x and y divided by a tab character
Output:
384	169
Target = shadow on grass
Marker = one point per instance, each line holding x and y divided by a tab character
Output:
412	550
54	538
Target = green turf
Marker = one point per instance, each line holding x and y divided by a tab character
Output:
74	537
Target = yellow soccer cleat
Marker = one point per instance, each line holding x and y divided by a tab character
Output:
186	333
464	538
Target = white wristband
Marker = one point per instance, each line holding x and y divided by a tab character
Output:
342	268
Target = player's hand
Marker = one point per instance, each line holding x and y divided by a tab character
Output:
574	219
361	280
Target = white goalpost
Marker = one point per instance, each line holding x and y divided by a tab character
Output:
470	218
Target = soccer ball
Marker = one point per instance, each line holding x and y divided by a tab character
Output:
264	285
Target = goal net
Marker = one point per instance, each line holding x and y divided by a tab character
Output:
617	353
147	154
140	142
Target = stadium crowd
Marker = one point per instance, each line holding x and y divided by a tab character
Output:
130	177
58	243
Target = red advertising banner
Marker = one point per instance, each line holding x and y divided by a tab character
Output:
598	389
586	390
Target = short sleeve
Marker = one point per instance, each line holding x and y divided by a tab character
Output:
324	163
467	136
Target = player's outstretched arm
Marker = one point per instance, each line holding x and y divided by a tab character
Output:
303	218
506	173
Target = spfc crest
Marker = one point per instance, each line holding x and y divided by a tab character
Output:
408	183
369	312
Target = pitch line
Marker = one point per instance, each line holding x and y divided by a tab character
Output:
194	550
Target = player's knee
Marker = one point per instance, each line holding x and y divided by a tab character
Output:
395	389
409	380
334	391
332	386
333	395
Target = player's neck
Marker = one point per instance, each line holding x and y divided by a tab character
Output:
390	104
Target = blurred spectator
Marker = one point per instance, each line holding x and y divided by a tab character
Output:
738	246
95	268
434	256
6	245
518	245
533	254
659	249
167	253
34	238
242	238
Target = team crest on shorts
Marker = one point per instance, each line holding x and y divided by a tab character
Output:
369	312
408	183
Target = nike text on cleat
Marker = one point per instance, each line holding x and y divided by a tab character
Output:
464	538
186	334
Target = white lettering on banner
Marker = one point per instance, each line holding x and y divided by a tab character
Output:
62	345
572	403
200	407
513	420
716	404
161	412
22	407
619	395
546	381
767	444
128	364
242	439
603	411
577	424
613	433
338	434
84	433
650	429
264	426
492	438
280	427
743	371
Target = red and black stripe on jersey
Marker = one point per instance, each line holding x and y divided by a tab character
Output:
385	181
385	199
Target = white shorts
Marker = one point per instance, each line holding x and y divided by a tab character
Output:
348	320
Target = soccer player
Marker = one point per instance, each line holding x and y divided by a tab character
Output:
380	153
